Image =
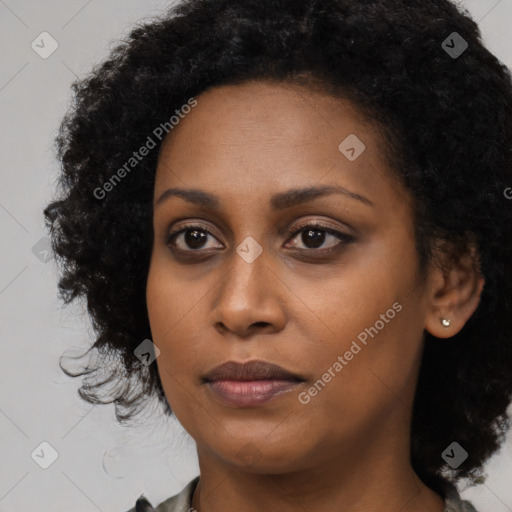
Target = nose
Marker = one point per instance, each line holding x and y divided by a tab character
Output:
250	299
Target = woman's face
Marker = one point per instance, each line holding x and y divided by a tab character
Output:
344	309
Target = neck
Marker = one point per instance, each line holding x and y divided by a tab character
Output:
353	482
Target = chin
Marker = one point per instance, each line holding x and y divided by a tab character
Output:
259	456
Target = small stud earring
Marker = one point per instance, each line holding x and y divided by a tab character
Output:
446	322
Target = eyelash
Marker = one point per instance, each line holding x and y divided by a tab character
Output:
344	238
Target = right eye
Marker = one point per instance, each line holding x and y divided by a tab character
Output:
190	239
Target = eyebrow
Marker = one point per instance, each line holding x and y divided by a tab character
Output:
279	201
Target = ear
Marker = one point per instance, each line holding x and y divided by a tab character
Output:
454	294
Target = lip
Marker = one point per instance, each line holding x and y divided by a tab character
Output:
250	384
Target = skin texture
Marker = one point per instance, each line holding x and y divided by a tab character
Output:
348	448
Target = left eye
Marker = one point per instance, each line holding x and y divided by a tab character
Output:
314	236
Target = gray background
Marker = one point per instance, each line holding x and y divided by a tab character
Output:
100	465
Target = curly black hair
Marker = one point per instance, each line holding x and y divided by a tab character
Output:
447	122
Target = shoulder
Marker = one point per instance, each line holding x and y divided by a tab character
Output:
181	502
454	503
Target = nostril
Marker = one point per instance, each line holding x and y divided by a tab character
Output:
260	324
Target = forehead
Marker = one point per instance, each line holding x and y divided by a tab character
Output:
264	136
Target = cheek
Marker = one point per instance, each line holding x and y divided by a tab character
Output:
164	312
167	306
176	317
369	314
363	374
161	304
341	304
170	300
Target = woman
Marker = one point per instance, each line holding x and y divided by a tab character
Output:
290	221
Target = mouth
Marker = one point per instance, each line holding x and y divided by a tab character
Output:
250	384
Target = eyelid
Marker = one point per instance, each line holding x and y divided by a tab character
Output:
319	224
